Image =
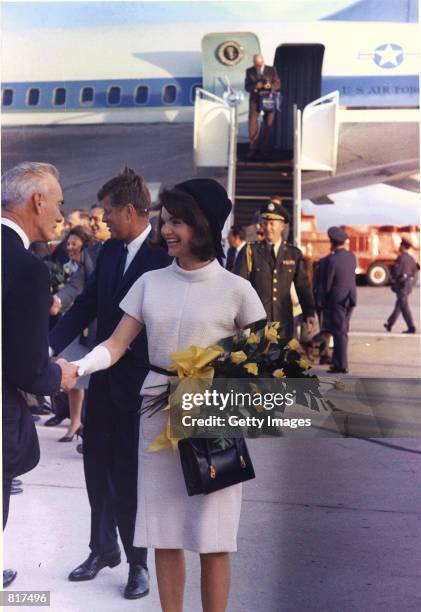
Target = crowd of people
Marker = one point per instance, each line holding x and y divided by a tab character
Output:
71	258
100	305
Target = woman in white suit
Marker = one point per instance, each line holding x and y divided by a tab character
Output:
192	301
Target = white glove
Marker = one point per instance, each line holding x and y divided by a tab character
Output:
98	359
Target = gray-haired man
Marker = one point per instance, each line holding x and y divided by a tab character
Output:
31	203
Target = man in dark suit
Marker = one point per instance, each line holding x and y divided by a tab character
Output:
237	242
341	295
31	201
272	265
321	340
404	274
260	78
111	428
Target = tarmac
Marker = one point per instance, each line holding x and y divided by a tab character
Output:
328	524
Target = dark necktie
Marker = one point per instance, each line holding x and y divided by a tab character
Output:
272	252
121	265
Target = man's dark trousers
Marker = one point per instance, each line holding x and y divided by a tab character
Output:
340	317
268	119
110	445
401	306
110	457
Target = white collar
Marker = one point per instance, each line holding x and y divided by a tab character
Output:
276	245
137	242
17	228
240	246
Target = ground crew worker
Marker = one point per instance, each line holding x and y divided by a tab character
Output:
404	274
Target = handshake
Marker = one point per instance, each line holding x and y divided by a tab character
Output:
69	374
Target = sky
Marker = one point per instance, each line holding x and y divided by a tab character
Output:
16	15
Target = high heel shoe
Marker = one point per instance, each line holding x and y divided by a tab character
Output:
70	438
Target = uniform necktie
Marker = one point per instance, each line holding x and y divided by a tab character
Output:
272	252
122	264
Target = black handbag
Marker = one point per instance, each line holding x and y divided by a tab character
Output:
211	464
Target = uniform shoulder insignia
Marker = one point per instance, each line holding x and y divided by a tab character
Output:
293	248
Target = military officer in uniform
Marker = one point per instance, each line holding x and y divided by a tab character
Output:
272	265
340	291
404	274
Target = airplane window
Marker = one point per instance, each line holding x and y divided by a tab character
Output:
141	94
60	96
7	99
87	95
169	94
33	96
114	95
193	93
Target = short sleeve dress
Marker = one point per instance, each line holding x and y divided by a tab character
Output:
180	308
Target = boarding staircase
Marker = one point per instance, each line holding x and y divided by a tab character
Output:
257	181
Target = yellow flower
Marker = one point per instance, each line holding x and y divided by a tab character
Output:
251	368
339	385
270	333
278	373
255	388
253	339
293	344
238	357
304	365
193	362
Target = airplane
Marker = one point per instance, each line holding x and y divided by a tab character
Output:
149	72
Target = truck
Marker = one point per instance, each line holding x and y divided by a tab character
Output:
375	246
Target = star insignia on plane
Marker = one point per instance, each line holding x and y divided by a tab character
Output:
388	55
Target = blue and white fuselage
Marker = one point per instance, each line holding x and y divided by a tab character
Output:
124	74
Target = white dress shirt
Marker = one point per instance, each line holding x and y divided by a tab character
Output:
238	249
134	246
17	228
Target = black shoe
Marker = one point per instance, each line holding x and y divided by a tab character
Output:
36	418
387	327
16	482
8	577
15	490
335	370
70	438
42	410
93	564
53	422
137	583
79	448
411	330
